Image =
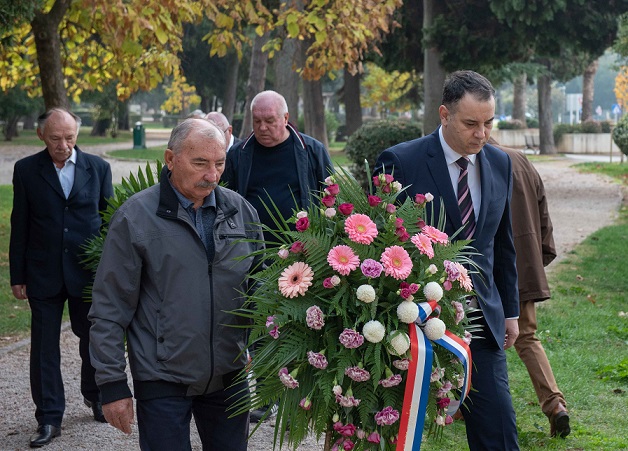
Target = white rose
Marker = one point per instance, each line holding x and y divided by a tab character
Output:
432	269
373	331
398	342
429	197
407	312
302	214
434	329
433	291
365	293
396	187
335	280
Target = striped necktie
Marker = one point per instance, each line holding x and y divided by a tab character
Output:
464	201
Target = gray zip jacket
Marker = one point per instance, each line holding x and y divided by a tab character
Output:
155	288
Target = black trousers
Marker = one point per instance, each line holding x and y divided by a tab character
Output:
45	358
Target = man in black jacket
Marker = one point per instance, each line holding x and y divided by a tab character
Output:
58	195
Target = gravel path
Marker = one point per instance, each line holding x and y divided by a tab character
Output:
571	195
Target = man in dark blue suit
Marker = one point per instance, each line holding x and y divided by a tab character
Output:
431	164
58	194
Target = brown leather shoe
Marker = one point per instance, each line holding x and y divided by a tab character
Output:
559	422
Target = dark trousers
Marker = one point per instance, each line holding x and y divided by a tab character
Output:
488	412
164	423
45	359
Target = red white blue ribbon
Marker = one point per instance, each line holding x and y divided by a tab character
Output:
460	349
416	392
418	379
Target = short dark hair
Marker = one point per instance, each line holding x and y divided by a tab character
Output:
461	82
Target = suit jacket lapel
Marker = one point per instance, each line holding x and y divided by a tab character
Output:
486	175
82	173
49	174
437	166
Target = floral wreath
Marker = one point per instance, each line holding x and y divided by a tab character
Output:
357	289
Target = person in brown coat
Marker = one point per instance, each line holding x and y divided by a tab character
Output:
534	242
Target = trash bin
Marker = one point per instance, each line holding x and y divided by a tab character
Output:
139	136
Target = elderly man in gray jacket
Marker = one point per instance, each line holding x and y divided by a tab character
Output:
174	265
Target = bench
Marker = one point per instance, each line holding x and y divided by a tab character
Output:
532	142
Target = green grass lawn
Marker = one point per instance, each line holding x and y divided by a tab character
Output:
29	138
582	328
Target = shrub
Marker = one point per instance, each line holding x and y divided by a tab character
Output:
372	138
514	124
532	122
620	134
560	130
606	126
590	126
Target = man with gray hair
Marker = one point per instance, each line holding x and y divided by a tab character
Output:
58	194
223	123
175	263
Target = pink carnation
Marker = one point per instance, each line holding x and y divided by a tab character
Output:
373	437
317	360
351	338
435	235
371	268
314	317
423	244
402	364
386	416
287	379
360	228
396	262
296	247
342	259
274	332
347	430
391	381
357	374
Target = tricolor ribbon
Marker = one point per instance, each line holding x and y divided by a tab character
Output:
418	379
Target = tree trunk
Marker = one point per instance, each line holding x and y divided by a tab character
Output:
546	132
123	115
231	86
10	128
257	79
588	90
351	97
286	77
48	45
519	99
314	111
433	73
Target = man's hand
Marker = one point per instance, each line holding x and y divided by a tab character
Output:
19	291
512	332
120	414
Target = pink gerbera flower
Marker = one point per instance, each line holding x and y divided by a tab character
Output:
463	277
396	262
342	259
435	235
360	228
295	279
423	244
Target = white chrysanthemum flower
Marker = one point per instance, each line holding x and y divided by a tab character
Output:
365	293
433	291
434	329
373	331
398	342
407	312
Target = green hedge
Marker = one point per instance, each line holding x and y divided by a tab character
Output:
620	134
372	138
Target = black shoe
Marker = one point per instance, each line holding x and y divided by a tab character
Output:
263	413
96	409
45	433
